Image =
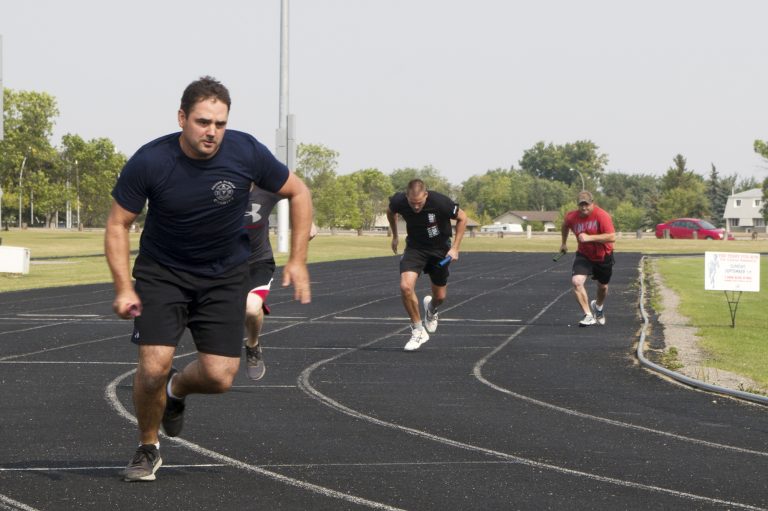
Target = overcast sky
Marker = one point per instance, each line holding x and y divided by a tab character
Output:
462	86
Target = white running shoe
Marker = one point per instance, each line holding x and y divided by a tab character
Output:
587	320
430	318
598	314
418	337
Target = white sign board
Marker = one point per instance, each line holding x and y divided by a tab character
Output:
731	271
14	259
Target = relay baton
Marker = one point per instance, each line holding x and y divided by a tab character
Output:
444	262
557	256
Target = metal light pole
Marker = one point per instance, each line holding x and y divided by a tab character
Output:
77	183
21	173
283	149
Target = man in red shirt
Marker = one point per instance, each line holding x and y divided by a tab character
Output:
594	231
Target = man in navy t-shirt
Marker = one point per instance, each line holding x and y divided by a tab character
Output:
192	267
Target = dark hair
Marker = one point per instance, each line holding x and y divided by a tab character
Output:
204	88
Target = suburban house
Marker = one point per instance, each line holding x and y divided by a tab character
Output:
743	212
548	218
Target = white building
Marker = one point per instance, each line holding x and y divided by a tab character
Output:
743	211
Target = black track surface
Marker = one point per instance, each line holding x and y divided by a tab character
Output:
508	406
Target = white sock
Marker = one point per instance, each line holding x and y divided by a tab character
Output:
417	326
169	387
157	445
599	307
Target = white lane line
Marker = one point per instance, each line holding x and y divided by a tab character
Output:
64	347
64	362
307	387
49	325
442	320
7	503
101	467
57	316
477	372
111	396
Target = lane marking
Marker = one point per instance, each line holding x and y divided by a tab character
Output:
114	402
7	503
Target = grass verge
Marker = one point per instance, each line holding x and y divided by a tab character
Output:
742	349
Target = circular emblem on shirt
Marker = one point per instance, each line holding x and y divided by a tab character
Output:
223	192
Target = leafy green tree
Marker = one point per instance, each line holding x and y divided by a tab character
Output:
761	148
489	194
315	163
373	190
566	163
430	175
28	121
628	218
91	169
718	197
683	202
336	204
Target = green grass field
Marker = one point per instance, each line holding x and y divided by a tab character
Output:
742	349
63	258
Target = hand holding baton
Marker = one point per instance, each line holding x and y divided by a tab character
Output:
557	256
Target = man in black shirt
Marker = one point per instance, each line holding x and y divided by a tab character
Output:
427	217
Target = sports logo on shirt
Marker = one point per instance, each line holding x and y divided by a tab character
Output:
254	213
223	192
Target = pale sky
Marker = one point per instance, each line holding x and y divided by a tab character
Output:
462	86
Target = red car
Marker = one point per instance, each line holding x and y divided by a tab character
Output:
688	228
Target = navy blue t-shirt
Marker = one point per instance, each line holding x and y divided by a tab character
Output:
430	227
196	207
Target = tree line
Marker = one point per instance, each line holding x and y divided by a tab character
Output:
40	181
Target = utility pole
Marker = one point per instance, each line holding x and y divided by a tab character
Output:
286	147
21	173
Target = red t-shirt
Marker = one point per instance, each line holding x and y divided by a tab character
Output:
598	222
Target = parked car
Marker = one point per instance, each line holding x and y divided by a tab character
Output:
689	228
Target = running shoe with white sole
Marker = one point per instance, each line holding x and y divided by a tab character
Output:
587	320
254	363
430	316
598	314
418	337
143	465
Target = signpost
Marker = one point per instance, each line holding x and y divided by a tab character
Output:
734	273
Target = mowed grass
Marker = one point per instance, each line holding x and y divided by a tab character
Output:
742	349
65	258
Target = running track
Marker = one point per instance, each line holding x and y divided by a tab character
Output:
508	406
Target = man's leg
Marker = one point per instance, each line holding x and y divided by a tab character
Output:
408	295
149	389
419	334
209	374
254	319
602	292
580	291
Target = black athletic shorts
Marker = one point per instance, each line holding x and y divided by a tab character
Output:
425	260
600	271
213	308
260	273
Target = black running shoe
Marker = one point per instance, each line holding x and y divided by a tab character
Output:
254	363
173	416
144	464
